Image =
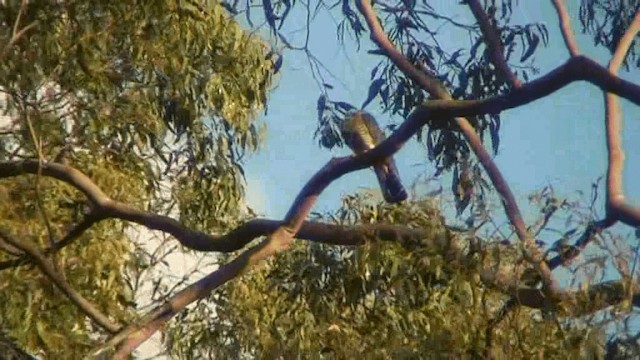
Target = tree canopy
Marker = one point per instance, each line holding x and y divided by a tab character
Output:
156	104
123	141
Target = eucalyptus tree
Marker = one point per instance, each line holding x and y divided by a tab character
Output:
122	117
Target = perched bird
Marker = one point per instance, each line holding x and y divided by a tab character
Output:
362	133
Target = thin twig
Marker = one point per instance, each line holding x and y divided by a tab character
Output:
15	38
37	143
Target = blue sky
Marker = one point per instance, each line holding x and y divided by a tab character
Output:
558	140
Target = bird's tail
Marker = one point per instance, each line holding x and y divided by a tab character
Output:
390	183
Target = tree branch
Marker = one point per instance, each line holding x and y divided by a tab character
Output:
565	27
438	90
582	302
572	303
494	44
17	34
579	68
58	171
617	207
587	236
48	269
236	239
135	335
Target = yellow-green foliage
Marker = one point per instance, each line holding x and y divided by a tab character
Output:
113	77
141	97
380	301
33	310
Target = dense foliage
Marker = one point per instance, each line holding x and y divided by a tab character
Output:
146	99
379	301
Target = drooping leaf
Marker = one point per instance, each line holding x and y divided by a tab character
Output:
374	90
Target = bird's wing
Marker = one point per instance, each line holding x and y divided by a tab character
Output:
361	132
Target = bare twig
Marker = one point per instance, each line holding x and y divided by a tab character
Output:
16	36
565	27
494	45
23	7
37	143
49	270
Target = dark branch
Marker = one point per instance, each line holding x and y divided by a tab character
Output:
234	240
579	68
438	90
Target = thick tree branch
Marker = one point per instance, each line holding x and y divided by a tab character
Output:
438	90
572	303
494	44
49	270
58	171
104	208
579	68
617	207
131	337
10	350
9	249
565	27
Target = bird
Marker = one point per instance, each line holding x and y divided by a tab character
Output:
362	133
